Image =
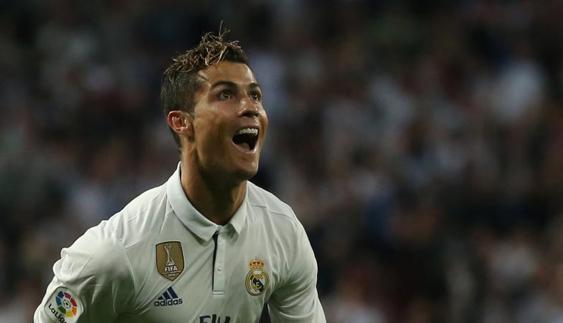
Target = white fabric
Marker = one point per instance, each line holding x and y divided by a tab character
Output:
111	270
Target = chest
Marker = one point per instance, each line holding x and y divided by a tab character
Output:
228	278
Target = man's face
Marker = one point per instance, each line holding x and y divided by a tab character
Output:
229	122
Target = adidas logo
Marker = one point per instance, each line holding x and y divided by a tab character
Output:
168	298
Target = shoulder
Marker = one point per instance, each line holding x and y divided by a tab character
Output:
277	217
141	217
103	249
95	254
262	199
285	234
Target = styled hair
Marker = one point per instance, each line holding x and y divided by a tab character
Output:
180	81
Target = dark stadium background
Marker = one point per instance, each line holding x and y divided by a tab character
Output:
420	142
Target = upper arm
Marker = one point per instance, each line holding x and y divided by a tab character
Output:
88	283
297	300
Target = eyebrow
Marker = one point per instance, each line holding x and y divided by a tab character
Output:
231	84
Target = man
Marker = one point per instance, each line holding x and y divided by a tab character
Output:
208	246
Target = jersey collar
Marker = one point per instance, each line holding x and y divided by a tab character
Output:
192	218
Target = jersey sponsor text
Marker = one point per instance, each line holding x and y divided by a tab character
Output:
214	318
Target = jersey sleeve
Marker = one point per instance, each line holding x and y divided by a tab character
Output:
297	300
92	283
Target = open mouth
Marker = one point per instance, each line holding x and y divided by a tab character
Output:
246	138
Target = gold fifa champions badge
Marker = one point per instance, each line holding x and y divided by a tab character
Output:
257	279
169	259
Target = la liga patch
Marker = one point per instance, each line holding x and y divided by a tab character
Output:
64	306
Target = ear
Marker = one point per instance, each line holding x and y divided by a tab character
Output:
181	123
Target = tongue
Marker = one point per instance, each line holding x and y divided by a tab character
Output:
244	145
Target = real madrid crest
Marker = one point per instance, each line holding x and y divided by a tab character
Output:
169	259
257	279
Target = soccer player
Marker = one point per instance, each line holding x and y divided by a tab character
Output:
207	246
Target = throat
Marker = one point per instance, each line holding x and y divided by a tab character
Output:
220	208
212	198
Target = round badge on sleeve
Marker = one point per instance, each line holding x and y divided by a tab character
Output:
64	306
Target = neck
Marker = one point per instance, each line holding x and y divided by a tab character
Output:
215	199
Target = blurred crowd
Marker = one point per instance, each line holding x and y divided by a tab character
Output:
420	142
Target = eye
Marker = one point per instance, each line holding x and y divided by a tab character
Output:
225	95
256	96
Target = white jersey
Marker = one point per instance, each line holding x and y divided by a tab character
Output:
160	260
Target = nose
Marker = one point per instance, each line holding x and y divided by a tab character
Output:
249	108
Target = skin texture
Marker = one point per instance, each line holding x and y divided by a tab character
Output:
214	169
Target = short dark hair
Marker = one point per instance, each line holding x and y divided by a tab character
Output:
180	81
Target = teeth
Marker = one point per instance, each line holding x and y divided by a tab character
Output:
250	131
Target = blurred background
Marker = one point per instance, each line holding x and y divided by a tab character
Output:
419	142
